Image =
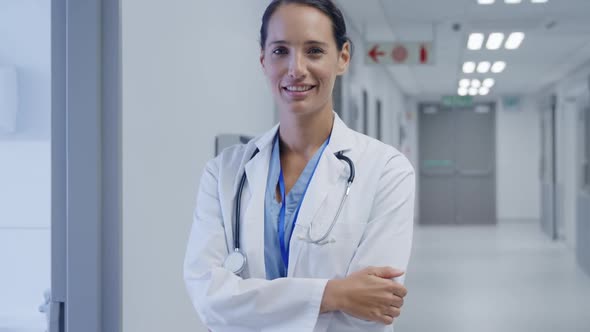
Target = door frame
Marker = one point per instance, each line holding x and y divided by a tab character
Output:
86	166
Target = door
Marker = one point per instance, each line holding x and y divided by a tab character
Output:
85	166
457	165
437	165
475	160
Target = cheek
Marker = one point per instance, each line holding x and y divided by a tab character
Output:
274	73
325	75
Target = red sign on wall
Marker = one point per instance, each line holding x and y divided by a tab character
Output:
402	53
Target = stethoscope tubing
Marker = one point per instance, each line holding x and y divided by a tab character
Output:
320	240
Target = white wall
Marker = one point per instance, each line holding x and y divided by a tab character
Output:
380	85
190	71
25	166
517	163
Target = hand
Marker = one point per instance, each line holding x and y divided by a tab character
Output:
368	294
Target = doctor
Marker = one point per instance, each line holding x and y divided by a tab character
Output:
309	226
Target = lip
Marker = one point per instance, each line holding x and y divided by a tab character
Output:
298	94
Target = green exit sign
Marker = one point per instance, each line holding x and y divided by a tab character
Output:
457	101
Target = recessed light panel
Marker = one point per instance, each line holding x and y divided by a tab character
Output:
495	41
475	41
514	40
483	67
469	67
488	82
498	67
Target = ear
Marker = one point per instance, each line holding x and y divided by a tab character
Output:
344	58
262	59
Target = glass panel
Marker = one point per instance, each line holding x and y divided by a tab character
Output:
25	176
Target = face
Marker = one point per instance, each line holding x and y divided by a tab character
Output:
301	59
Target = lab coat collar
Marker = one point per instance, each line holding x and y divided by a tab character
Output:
341	137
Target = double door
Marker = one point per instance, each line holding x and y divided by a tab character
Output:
457	156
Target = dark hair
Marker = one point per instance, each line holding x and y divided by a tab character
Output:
325	6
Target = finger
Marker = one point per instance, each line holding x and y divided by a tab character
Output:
386	319
399	289
392	312
387	272
397	302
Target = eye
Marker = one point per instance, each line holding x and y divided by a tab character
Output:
280	51
315	51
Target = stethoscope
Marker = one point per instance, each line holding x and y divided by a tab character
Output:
236	260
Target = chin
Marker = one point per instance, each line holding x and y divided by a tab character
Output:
300	108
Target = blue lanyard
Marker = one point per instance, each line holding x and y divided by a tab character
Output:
281	227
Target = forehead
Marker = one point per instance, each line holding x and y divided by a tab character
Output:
299	23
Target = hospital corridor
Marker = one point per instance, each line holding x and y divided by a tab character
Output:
295	165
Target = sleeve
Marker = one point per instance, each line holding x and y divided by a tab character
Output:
226	302
387	239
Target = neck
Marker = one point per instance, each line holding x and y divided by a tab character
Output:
304	134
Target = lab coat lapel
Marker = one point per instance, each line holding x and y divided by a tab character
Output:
329	177
252	223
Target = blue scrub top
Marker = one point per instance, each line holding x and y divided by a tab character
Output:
275	268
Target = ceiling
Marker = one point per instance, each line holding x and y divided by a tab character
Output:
557	40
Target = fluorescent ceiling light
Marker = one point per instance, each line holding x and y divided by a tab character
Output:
488	82
469	67
498	67
475	41
486	2
483	67
475	84
464	83
473	92
462	91
484	91
511	2
495	41
539	1
514	40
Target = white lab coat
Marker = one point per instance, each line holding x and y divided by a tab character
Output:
374	229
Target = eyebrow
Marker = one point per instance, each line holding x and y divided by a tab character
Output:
309	42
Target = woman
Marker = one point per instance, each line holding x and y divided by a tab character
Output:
317	258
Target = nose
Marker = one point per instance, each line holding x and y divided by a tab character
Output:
297	69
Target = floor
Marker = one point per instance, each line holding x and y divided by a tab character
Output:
505	278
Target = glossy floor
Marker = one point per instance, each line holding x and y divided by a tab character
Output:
507	278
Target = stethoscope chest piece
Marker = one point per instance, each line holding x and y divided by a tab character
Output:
235	262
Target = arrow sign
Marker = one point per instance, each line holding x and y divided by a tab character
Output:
400	53
375	53
423	54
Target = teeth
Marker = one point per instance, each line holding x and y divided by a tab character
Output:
299	88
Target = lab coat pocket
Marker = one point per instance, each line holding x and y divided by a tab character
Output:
329	257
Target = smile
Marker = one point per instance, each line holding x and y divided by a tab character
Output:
299	88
